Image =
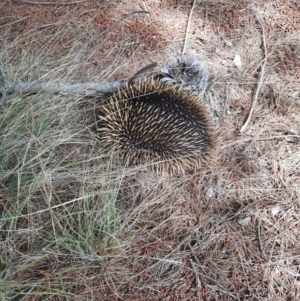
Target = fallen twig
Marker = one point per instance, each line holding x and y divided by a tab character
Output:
65	88
187	27
51	3
16	21
198	282
8	90
259	239
2	81
264	62
141	72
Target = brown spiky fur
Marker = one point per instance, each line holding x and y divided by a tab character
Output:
157	123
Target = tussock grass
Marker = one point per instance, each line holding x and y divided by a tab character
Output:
58	194
78	225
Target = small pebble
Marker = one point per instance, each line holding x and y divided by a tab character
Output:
209	192
245	221
228	43
275	209
237	61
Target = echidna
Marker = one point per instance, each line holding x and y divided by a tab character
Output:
156	122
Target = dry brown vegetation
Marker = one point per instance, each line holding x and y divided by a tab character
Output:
76	225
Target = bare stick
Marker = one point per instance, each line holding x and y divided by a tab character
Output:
259	239
141	72
198	282
187	27
16	21
264	62
51	3
9	89
2	75
64	88
2	81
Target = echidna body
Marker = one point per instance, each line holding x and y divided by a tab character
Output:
160	124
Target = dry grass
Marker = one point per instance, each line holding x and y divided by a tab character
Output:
76	225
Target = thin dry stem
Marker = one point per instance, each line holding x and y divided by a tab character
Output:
52	3
188	27
262	71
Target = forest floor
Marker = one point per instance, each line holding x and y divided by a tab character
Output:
77	225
